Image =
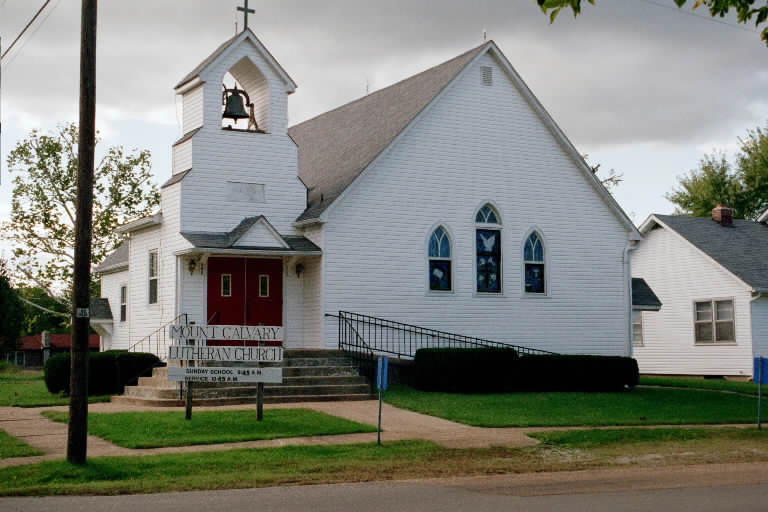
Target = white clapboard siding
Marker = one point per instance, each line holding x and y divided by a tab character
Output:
110	290
192	109
760	326
313	290
680	274
182	156
478	144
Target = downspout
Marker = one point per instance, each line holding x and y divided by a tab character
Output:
631	246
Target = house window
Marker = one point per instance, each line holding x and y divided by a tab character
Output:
123	303
226	285
637	328
263	285
440	278
488	250
535	270
153	277
713	322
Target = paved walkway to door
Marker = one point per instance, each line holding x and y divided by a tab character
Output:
398	424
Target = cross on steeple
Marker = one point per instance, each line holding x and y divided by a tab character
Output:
245	10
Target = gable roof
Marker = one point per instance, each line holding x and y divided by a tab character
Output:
740	248
228	239
225	46
643	297
335	147
117	260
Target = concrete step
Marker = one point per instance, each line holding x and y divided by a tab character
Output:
172	402
289	378
229	391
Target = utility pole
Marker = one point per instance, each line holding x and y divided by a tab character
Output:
77	435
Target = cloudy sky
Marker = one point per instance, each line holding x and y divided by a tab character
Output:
637	85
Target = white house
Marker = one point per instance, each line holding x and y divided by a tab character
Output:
450	200
712	276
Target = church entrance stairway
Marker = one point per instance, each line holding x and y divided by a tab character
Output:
308	376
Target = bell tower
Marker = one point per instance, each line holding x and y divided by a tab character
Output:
237	158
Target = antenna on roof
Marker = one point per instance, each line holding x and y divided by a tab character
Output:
485	35
367	86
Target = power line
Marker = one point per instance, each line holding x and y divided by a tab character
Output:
25	28
705	18
34	31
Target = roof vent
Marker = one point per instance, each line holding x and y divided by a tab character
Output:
487	73
722	215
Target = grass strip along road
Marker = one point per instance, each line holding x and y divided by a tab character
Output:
641	406
560	451
158	429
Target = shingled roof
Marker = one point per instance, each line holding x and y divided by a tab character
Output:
740	248
115	261
228	239
335	147
643	297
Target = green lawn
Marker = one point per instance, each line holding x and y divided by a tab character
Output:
641	406
157	429
12	447
749	388
27	389
604	437
215	470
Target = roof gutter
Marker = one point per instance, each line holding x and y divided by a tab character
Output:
246	252
146	222
758	296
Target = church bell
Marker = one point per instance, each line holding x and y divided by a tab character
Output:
234	101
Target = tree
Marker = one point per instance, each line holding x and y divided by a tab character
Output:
42	313
611	181
43	205
745	10
11	311
744	188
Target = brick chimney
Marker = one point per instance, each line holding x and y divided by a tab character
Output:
722	215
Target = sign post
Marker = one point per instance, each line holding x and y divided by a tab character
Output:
760	377
199	351
381	385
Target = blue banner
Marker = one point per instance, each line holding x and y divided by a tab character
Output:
759	377
381	374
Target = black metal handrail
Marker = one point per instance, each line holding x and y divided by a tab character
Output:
365	336
157	341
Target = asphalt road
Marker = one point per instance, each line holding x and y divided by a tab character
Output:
408	497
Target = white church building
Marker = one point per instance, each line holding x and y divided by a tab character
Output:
450	200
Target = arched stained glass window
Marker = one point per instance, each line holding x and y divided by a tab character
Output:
533	258
488	250
440	278
487	215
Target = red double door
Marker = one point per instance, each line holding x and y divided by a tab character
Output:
245	291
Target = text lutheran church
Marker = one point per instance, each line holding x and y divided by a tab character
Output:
450	200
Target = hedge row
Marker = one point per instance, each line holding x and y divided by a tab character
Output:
108	372
486	370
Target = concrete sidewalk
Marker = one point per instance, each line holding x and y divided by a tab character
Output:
398	424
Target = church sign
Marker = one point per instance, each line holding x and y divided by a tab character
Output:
226	332
241	354
226	375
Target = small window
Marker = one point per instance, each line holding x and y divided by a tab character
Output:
440	278
153	277
714	322
637	328
535	270
226	285
123	303
263	285
487	215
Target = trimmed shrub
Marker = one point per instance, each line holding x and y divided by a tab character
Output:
491	370
108	372
463	370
